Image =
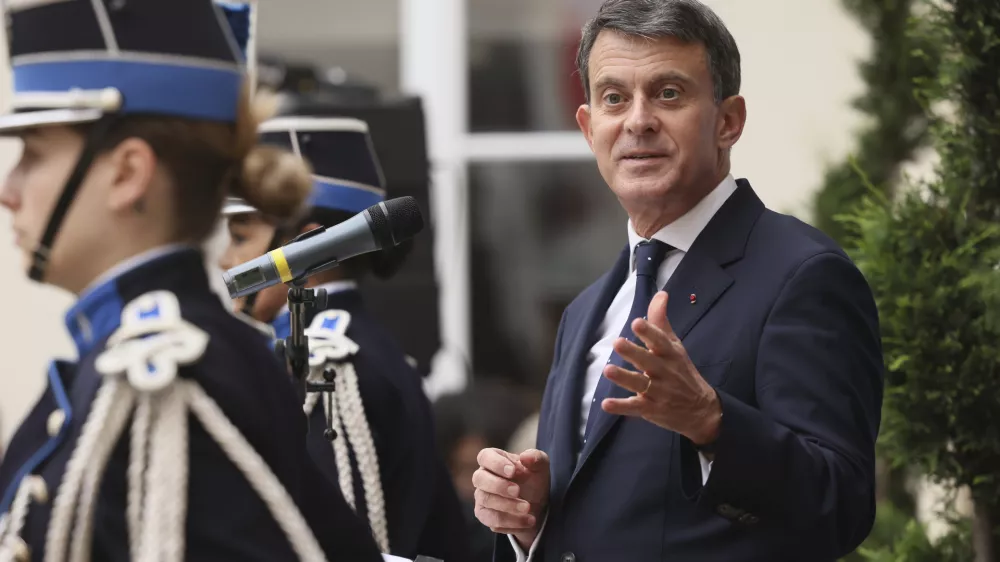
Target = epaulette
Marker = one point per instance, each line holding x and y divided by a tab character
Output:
152	342
328	339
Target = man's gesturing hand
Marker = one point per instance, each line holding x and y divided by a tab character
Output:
669	390
512	492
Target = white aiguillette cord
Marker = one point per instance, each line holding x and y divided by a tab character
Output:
140	368
346	412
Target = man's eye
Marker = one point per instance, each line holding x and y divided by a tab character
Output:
613	98
670	94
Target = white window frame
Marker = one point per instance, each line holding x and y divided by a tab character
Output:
434	65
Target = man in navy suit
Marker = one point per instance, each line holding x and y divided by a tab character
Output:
733	420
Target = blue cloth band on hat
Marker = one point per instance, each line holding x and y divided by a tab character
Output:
342	197
146	87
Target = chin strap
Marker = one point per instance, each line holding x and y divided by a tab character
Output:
92	141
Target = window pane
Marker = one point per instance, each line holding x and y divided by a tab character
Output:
522	71
541	233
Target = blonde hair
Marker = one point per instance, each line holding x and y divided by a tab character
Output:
209	160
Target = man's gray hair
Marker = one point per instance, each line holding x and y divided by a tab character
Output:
687	20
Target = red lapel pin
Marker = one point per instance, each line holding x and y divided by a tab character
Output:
694	298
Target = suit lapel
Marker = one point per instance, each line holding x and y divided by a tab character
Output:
701	273
566	433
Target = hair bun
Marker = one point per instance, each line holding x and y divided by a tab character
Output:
275	181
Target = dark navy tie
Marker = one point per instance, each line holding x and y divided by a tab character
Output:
648	257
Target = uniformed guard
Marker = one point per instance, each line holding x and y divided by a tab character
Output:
382	454
176	435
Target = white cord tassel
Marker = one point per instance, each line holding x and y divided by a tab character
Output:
162	526
360	436
11	524
344	472
174	445
136	474
162	531
329	346
112	393
257	473
149	533
97	463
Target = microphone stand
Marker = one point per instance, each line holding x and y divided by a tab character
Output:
295	348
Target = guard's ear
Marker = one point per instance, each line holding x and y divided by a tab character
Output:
129	170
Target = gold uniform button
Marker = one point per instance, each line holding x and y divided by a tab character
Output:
56	420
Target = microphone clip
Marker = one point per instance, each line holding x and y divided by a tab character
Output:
294	349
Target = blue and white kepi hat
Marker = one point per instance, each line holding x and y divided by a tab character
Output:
346	172
74	61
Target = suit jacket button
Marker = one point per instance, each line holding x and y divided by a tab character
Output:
55	422
568	557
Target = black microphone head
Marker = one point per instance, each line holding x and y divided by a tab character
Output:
394	221
405	218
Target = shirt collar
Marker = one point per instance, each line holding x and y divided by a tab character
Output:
682	233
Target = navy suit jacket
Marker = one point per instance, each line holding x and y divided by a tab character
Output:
785	328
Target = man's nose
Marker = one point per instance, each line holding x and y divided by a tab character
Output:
641	119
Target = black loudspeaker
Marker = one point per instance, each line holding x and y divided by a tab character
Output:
406	304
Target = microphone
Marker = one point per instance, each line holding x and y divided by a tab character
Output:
380	226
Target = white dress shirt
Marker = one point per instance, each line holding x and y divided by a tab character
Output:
680	235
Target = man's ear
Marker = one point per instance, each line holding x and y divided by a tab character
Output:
732	119
131	168
583	121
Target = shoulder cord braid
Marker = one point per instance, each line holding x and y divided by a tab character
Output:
347	414
158	465
158	479
30	488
